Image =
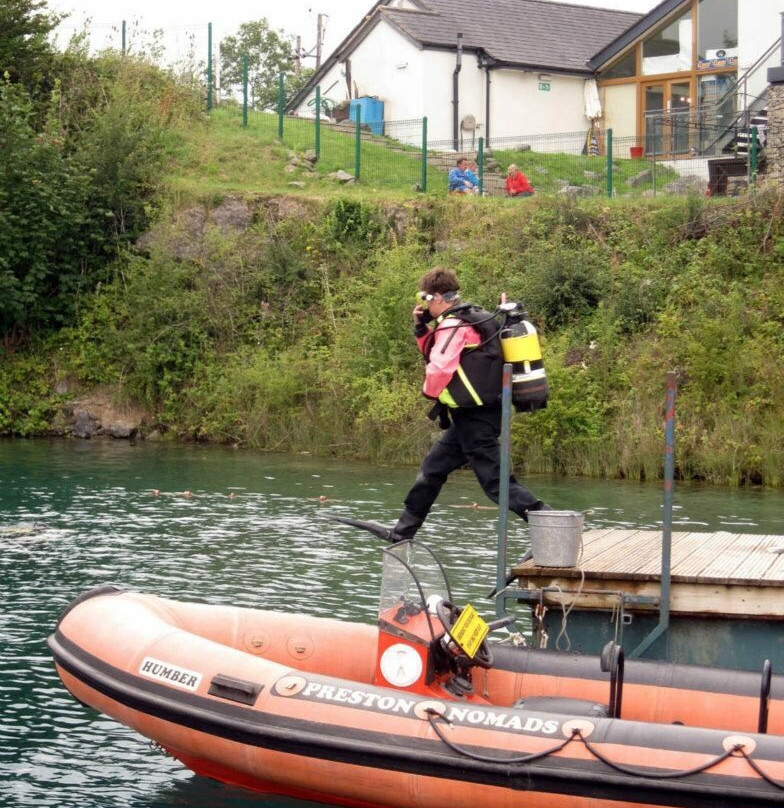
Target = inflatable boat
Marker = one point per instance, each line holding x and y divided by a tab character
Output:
422	709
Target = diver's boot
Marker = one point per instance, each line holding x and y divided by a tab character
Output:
407	525
537	506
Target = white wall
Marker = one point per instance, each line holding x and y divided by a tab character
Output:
385	65
619	102
759	25
436	96
519	108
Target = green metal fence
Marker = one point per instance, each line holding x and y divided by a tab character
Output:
679	155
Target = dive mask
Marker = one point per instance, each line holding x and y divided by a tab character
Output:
424	299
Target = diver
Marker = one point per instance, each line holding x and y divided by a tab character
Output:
461	347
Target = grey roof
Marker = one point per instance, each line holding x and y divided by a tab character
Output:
534	33
525	33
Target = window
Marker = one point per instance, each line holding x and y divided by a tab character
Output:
624	68
717	34
669	50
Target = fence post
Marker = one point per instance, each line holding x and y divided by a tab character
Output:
123	38
358	142
209	66
609	164
480	159
245	90
753	157
653	153
281	103
318	121
424	155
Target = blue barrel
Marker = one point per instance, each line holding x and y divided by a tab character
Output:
372	113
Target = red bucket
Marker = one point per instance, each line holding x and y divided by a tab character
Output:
635	152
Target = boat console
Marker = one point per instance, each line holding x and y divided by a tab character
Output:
426	643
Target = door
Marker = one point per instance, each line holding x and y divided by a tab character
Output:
667	117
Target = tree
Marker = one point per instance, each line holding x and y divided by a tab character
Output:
25	51
269	53
45	240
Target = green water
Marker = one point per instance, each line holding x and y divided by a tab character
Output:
269	546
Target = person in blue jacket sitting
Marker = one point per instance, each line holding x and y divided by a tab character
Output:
459	181
472	172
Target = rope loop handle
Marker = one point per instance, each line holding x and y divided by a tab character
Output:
738	750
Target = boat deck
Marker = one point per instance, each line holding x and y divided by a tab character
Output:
711	573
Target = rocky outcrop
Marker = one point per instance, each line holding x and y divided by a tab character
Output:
97	414
686	185
184	237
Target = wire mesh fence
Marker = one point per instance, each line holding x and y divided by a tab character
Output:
692	151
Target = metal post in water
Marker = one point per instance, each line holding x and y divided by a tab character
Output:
503	487
669	484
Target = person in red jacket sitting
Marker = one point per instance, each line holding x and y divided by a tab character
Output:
517	183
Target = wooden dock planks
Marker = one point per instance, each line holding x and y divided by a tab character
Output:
713	573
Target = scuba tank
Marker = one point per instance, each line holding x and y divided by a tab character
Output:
520	347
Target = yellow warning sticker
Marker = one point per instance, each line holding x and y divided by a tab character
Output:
469	630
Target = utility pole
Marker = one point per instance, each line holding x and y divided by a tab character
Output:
319	37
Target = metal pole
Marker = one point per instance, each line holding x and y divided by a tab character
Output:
281	103
503	486
480	159
245	90
609	163
123	38
753	157
669	484
318	120
653	154
424	154
357	143
319	38
209	66
456	92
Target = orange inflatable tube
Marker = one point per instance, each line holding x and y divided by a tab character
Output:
302	706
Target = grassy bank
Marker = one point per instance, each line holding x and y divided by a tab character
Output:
265	314
293	333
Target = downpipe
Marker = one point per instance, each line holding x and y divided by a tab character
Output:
456	92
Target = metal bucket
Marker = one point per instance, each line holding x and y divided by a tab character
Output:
556	537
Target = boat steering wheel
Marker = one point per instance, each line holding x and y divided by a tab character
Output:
448	613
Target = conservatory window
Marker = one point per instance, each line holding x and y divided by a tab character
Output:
624	68
717	34
669	50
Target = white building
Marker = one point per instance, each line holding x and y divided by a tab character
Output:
512	67
686	65
519	68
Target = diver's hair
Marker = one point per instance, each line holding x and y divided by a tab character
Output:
439	280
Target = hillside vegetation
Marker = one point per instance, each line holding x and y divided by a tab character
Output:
287	326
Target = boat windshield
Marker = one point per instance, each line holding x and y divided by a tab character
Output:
411	575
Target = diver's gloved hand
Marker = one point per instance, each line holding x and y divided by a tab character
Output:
421	318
